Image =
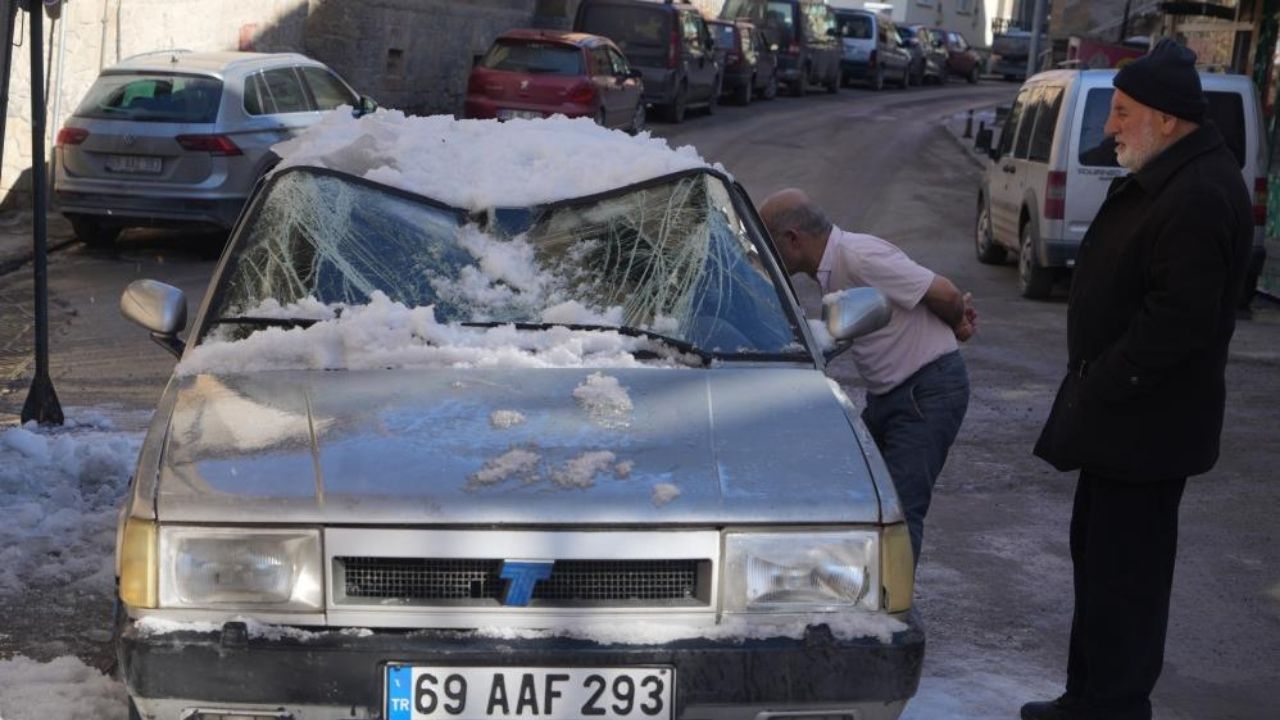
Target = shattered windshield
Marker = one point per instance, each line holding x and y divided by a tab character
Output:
672	258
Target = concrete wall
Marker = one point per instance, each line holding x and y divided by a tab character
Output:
408	54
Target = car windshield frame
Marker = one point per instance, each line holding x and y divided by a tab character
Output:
807	349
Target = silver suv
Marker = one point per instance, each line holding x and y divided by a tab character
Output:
179	137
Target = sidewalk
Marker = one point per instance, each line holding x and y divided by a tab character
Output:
955	128
16	240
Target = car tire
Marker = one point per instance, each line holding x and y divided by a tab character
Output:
713	102
93	233
972	77
798	88
877	80
675	112
745	91
771	88
1034	282
905	81
637	119
833	83
989	252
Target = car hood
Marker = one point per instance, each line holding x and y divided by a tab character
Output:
467	446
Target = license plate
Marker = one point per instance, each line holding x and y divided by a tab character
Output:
479	693
133	164
506	114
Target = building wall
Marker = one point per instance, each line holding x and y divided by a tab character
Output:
409	54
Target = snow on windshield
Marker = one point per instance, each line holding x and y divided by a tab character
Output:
479	164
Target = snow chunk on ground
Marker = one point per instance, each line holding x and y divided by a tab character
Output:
60	488
388	334
503	419
62	689
478	164
605	400
581	471
664	493
516	462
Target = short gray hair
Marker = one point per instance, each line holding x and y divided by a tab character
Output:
802	217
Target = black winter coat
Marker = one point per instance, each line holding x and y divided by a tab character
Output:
1151	314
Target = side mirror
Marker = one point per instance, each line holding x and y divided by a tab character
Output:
853	313
982	143
159	308
367	106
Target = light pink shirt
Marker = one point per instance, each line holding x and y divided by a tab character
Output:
914	336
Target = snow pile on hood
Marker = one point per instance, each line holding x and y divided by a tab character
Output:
59	492
605	400
478	164
388	334
62	689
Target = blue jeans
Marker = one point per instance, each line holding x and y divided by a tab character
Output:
914	425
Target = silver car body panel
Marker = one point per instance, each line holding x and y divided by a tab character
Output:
742	445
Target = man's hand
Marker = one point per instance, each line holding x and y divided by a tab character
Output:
968	324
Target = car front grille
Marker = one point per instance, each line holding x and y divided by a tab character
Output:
573	583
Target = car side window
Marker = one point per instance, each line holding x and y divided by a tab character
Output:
328	91
1011	123
620	66
690	35
1046	123
1029	115
275	91
602	62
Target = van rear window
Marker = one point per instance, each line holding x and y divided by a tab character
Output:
628	27
857	27
1226	110
152	97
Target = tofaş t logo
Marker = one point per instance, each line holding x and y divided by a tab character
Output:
521	576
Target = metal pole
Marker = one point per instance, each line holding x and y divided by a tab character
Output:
10	18
1033	51
42	402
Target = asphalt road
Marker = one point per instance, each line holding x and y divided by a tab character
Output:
994	585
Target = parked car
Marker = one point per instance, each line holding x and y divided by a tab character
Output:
1052	165
478	443
180	138
538	73
808	49
750	64
929	63
962	60
1009	52
872	51
669	43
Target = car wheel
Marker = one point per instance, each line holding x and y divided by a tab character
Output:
833	83
637	119
905	80
1034	282
92	232
973	75
989	253
713	102
743	95
676	110
798	88
771	87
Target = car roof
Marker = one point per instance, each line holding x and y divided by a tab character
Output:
1104	76
215	64
642	3
580	39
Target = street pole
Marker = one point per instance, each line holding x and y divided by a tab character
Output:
42	402
10	18
1033	52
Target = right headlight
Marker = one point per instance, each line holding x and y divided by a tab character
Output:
801	572
252	568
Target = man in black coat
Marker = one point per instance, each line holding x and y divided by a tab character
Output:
1151	314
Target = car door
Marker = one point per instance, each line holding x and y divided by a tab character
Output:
630	89
601	72
278	105
696	56
892	51
1004	196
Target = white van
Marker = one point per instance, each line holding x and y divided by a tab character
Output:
1053	164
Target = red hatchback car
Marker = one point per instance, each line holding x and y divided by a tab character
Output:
538	73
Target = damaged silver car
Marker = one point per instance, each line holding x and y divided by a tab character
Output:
572	460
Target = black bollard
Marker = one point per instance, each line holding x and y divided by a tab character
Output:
968	125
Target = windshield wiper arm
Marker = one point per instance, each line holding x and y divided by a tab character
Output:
683	346
266	321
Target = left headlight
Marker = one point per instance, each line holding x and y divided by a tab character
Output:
801	572
267	569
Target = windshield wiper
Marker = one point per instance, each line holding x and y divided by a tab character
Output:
683	346
267	321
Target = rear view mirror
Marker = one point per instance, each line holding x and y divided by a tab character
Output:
853	313
367	106
157	307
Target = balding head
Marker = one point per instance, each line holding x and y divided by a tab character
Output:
799	229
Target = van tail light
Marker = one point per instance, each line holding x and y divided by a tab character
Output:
673	50
213	144
1260	192
582	93
871	60
1055	196
71	136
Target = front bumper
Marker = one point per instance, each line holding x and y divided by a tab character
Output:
855	69
331	674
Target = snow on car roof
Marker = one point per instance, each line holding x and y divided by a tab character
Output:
479	164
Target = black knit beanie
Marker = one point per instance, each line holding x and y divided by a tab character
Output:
1165	79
